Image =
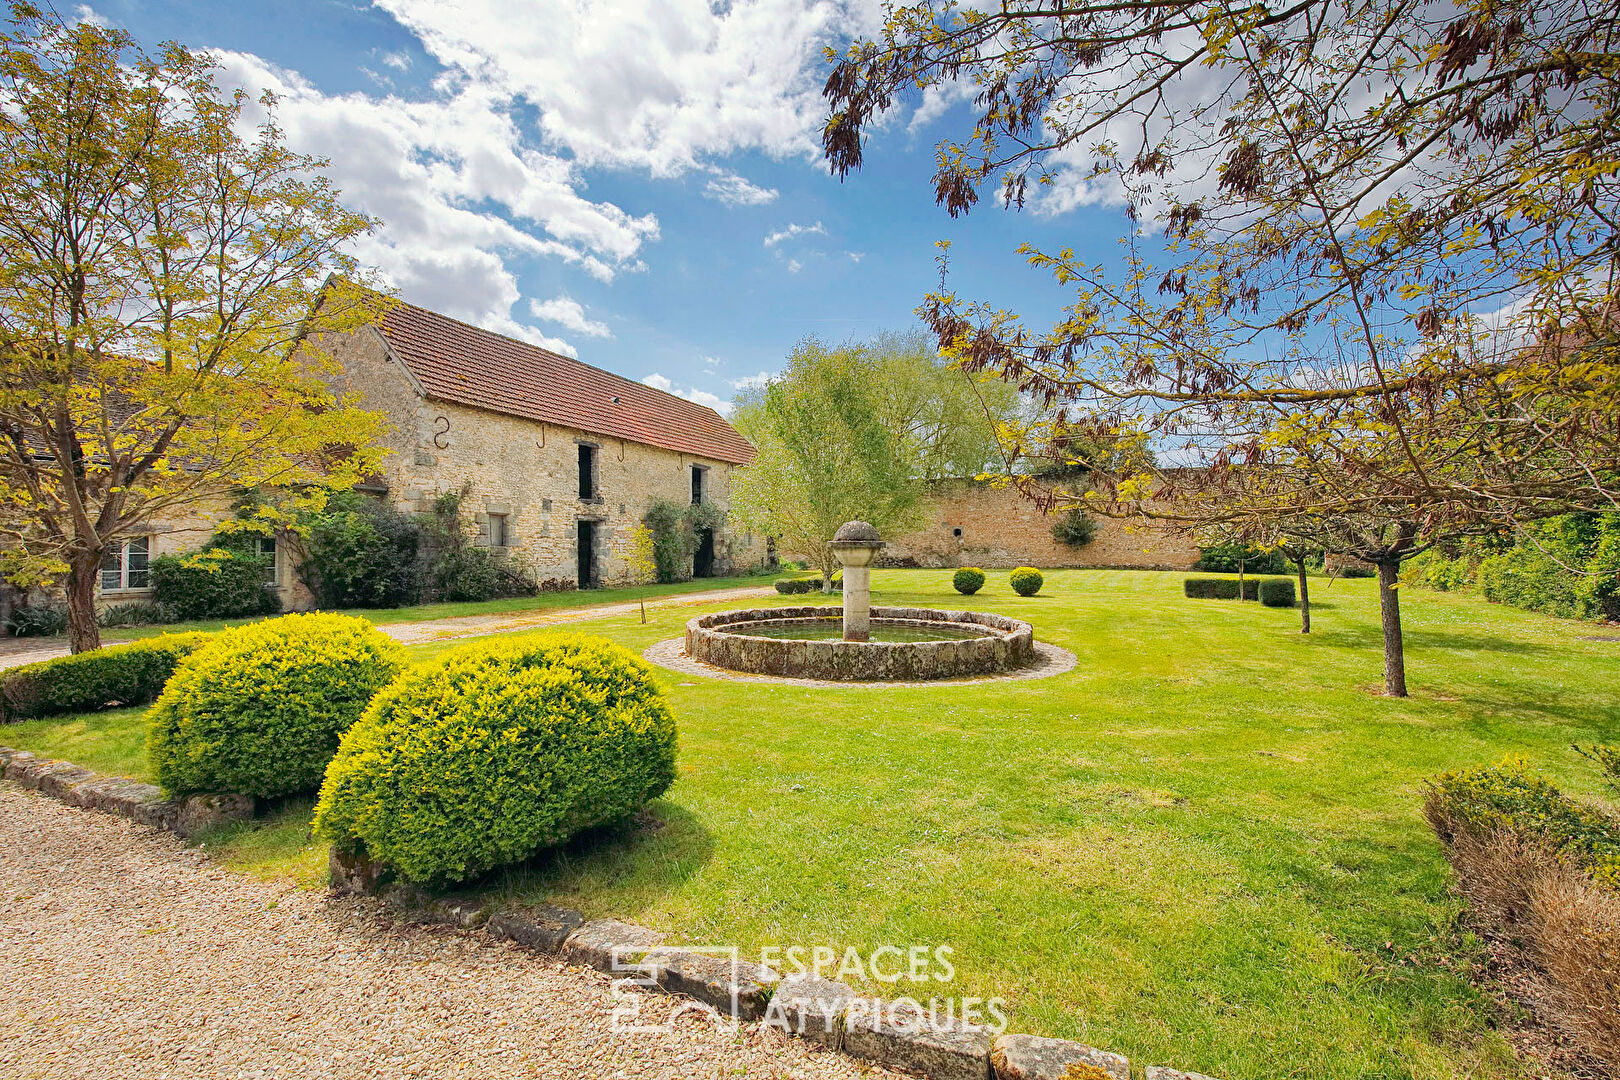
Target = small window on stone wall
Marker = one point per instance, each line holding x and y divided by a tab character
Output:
497	531
956	532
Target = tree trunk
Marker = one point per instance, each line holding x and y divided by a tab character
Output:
1389	609
1304	597
1241	565
83	632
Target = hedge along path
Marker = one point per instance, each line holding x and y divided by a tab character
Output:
14	652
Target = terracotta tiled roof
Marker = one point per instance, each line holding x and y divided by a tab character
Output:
464	365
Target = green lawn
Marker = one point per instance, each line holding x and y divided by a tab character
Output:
1202	848
515	605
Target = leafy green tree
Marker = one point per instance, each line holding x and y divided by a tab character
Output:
949	423
157	269
825	455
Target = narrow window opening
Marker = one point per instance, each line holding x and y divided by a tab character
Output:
587	472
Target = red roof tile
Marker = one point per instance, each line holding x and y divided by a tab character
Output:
464	365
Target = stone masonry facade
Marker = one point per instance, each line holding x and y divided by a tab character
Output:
521	477
976	523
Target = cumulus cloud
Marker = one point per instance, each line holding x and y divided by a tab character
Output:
660	85
734	190
458	188
690	393
570	315
792	231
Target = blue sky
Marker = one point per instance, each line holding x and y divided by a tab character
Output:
635	183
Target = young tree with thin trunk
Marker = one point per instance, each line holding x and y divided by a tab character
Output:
157	271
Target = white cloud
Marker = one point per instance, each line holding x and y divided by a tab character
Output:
458	189
794	230
794	266
752	381
570	315
690	393
734	190
855	256
399	61
660	85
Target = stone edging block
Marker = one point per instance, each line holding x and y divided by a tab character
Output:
811	1008
1031	1057
141	803
609	945
542	929
1159	1072
731	986
905	1037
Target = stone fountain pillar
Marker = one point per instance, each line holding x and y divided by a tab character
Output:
855	545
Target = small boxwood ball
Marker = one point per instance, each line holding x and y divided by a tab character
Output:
1026	581
259	709
496	750
968	580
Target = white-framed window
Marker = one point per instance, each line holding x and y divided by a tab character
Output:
266	547
498	535
125	566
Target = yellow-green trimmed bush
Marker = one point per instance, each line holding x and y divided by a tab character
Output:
259	709
131	674
968	580
495	750
1026	581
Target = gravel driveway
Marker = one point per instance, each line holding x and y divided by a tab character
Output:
125	953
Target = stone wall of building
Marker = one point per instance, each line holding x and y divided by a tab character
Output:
974	523
529	472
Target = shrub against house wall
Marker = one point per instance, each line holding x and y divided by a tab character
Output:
214	583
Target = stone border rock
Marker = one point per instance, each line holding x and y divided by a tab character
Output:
142	803
1049	660
998	644
896	1033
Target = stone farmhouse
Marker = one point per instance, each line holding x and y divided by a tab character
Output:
558	460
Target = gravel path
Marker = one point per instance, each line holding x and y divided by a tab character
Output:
17	651
125	953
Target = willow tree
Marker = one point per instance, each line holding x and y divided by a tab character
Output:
1389	241
824	455
157	271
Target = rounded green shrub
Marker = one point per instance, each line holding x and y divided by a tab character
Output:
131	674
1026	581
259	709
495	750
968	580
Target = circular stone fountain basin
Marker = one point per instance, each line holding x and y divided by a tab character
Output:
803	642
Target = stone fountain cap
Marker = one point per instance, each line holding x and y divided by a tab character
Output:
856	532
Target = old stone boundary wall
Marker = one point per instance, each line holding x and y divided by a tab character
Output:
977	523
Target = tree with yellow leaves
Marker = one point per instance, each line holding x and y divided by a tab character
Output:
158	272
